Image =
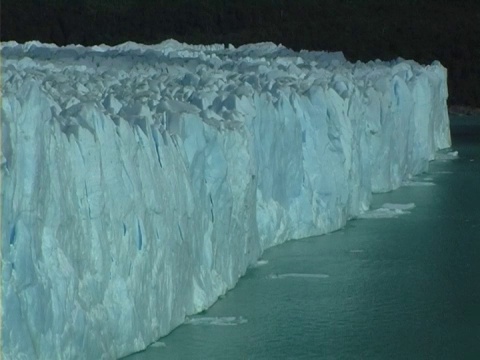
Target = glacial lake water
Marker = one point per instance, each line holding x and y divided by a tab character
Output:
405	287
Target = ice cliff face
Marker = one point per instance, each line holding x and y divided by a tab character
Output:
139	182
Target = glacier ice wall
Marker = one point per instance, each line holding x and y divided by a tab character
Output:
139	182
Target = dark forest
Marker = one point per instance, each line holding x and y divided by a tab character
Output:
422	30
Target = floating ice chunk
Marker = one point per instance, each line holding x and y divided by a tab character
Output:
381	213
261	263
158	344
219	321
298	275
451	155
388	211
390	206
356	251
418	183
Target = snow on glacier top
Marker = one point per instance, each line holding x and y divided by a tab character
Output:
143	80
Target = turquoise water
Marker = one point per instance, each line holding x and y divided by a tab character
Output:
392	288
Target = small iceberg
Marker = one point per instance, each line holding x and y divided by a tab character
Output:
391	206
388	211
158	344
215	320
297	275
418	183
260	263
451	155
443	172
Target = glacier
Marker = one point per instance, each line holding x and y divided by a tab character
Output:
140	182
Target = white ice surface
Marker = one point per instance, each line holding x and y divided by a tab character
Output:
140	182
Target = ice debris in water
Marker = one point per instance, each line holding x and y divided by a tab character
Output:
158	344
418	183
298	275
450	155
388	210
260	263
218	321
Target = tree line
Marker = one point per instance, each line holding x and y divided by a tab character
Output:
423	30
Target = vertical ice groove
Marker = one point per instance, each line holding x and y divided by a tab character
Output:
139	235
202	155
12	235
180	232
157	145
211	207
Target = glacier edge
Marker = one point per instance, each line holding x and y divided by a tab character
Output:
140	182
